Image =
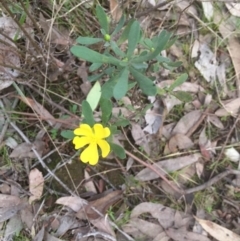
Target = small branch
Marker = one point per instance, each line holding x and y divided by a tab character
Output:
212	181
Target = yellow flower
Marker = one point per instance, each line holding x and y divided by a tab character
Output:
94	137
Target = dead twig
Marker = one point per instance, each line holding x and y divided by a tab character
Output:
212	181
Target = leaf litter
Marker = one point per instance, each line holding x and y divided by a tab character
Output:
184	151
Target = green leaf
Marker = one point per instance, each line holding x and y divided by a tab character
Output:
102	18
120	89
88	40
94	96
140	65
118	150
95	77
93	56
107	89
68	134
133	38
122	122
162	41
119	25
146	84
117	50
183	96
95	66
106	108
180	80
87	113
114	130
125	32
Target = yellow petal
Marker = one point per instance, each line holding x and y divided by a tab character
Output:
83	130
90	154
81	141
104	146
101	132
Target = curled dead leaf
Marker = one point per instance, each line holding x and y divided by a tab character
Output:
179	141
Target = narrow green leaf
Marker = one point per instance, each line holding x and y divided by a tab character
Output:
146	84
94	96
120	89
106	108
118	150
102	18
140	65
183	96
95	66
162	41
117	50
87	113
88	40
68	134
119	25
180	80
122	122
133	38
107	89
125	32
93	56
95	77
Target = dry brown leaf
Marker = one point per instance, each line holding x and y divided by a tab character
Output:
40	110
27	216
165	166
102	224
24	150
215	121
186	122
186	86
115	10
234	8
9	206
75	203
60	38
206	63
139	137
231	108
184	235
154	116
50	237
187	7
205	145
89	185
218	232
101	204
66	222
170	101
36	183
179	141
39	236
165	215
199	169
14	226
141	229
227	29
